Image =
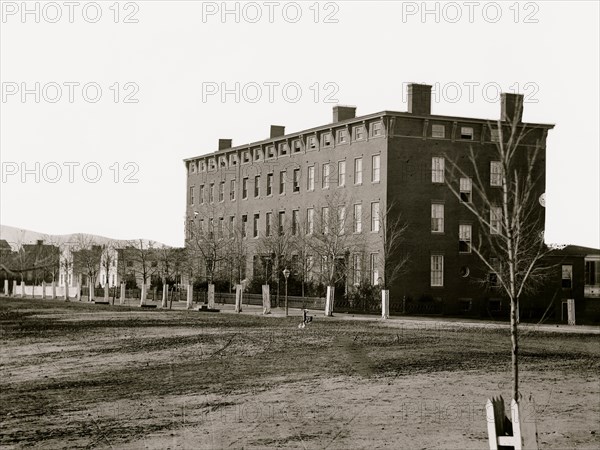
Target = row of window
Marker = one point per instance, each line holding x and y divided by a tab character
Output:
326	222
466	133
438	170
272	151
327	177
437	219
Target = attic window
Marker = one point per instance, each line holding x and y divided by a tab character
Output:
466	133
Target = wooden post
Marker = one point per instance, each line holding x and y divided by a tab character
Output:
266	298
22	289
6	287
385	304
238	298
14	291
164	295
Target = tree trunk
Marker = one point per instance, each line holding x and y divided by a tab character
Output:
329	301
515	348
164	294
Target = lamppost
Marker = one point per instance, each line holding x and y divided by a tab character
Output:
286	274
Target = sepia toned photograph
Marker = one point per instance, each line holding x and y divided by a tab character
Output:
300	225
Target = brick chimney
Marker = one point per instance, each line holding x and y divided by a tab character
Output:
224	144
419	99
277	130
511	105
343	113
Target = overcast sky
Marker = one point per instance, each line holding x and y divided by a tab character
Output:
134	98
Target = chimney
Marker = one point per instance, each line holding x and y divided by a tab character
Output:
343	113
224	144
277	130
511	107
419	99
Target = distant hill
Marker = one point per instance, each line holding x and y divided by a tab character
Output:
19	236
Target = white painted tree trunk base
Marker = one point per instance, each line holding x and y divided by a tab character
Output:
211	296
329	301
190	296
385	304
164	295
266	298
122	299
238	298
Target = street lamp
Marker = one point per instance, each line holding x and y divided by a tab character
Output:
286	274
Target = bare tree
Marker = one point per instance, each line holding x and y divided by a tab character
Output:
86	259
108	259
142	254
168	266
335	233
276	250
392	231
208	243
511	222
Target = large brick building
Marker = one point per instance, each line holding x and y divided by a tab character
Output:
372	162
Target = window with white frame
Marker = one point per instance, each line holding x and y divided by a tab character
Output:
268	221
244	226
495	173
438	165
495	135
325	176
376	129
358	132
341	173
358	218
222	191
310	184
283	149
326	139
258	154
312	142
296	181
342	136
282	182
373	268
192	195
295	221
255	225
233	159
466	190
281	223
325	220
376	169
245	188
466	133
567	276
231	226
438	131
341	220
245	156
356	275
271	151
269	184
201	194
257	186
464	238
437	217
232	190
211	193
221	223
375	216
358	171
437	270
310	221
296	146
193	167
495	219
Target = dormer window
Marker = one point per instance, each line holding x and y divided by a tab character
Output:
359	133
283	149
466	133
327	139
258	154
312	142
271	151
296	146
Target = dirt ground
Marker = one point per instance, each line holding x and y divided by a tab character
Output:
76	375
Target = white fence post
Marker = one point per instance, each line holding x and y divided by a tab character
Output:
329	301
122	299
190	296
6	288
385	304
